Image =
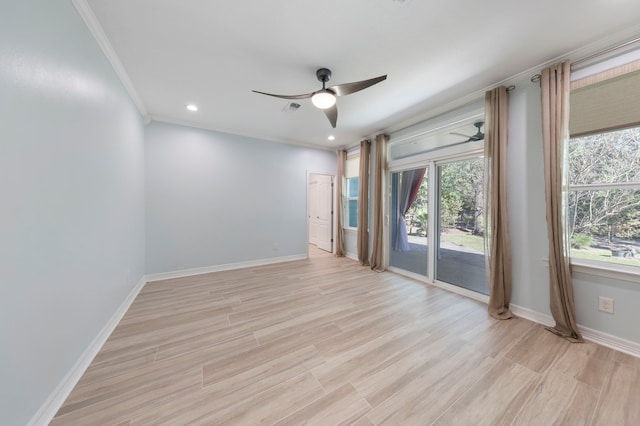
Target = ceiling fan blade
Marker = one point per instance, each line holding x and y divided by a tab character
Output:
332	115
305	96
460	134
349	88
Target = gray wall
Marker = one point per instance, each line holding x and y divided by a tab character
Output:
214	199
71	199
528	227
527	204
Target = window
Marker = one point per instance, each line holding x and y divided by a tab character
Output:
351	194
352	202
604	196
460	243
604	168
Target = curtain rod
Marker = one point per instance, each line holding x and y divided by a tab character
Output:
536	78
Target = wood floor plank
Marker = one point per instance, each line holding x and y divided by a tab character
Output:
586	362
559	399
343	406
304	322
157	372
548	348
155	337
495	337
495	399
119	406
369	357
269	406
264	360
422	394
326	341
620	397
185	408
409	367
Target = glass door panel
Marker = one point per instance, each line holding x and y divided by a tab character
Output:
409	221
460	255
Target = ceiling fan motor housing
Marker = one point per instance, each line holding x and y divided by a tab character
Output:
323	74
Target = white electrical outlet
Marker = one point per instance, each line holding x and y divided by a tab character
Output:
605	304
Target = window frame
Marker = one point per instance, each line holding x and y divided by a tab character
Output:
599	268
353	155
347	204
432	160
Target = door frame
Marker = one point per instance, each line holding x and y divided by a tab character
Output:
334	204
431	160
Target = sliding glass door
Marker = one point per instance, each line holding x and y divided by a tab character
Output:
451	206
460	246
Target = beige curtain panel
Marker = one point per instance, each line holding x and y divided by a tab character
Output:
377	253
342	160
497	236
363	203
555	90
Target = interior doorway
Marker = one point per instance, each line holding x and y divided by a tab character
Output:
320	211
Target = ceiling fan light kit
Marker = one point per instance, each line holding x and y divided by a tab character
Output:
325	98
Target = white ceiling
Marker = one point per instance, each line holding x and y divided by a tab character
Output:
213	53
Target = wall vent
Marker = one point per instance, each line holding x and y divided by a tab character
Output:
291	107
401	3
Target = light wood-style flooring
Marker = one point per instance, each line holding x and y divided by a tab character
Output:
326	341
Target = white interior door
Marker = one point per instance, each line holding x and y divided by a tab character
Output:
313	209
321	211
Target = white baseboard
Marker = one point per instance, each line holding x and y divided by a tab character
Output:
225	267
626	346
51	406
532	315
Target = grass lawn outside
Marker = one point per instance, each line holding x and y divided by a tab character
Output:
603	255
475	242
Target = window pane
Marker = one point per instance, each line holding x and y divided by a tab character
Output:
352	187
409	221
353	213
611	157
605	225
460	247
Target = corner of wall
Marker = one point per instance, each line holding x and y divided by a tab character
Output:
53	403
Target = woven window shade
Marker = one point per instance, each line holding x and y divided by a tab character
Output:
606	101
352	168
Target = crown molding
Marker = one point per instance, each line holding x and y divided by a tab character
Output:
89	18
201	126
574	55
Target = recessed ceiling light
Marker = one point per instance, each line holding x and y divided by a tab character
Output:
192	107
331	138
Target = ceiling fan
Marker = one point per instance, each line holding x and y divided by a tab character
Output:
473	138
325	98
